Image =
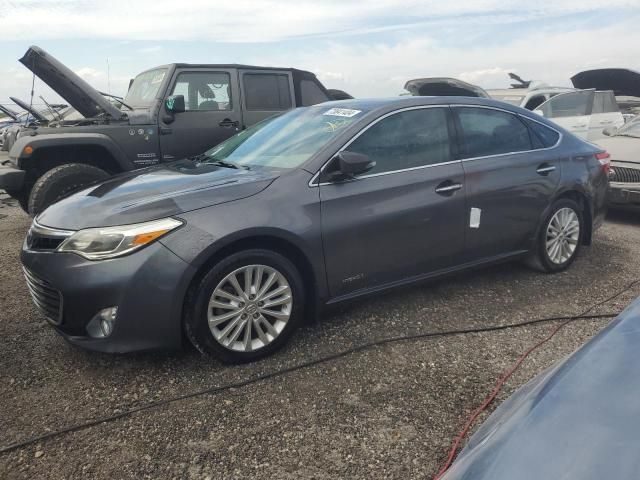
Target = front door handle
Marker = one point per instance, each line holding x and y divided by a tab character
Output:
545	169
227	122
448	187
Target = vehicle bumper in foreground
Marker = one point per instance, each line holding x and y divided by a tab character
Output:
625	195
147	287
11	179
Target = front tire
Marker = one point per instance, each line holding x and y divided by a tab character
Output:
60	182
560	237
246	307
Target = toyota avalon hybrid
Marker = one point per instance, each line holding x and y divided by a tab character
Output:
234	248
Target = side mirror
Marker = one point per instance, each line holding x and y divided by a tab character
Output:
174	104
610	131
539	112
346	165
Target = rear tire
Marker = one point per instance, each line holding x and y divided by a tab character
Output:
560	237
60	182
215	308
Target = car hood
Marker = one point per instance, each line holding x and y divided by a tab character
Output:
576	421
153	193
9	113
443	86
621	148
82	96
621	80
25	106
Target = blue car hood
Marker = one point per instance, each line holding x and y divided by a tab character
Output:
577	421
155	192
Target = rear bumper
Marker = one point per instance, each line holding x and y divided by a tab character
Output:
624	195
11	179
148	287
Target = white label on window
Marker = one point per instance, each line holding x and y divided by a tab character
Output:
342	112
474	217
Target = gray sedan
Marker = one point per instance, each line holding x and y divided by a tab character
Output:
321	205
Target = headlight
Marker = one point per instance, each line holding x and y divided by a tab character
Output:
109	242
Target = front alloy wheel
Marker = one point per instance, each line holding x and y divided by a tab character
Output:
246	306
250	307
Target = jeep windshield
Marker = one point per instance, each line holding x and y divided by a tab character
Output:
144	89
285	141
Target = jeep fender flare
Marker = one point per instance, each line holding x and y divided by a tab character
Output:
39	142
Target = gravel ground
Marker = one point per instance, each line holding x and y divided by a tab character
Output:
385	412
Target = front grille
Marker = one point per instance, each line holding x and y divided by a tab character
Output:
47	299
626	175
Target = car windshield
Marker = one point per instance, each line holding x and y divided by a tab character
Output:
631	128
145	87
286	141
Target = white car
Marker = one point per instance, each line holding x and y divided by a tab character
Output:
528	97
585	113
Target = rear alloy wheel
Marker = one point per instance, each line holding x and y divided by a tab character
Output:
246	307
560	237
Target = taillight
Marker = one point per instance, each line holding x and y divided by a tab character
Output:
605	160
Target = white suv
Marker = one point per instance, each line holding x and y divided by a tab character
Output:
585	113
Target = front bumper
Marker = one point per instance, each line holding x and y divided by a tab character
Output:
624	195
11	179
148	287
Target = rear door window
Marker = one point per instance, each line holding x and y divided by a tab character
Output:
491	132
541	135
404	140
266	91
311	94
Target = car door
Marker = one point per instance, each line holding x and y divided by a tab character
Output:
605	113
511	172
405	217
265	93
571	110
212	112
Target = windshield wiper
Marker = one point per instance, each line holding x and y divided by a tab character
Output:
224	163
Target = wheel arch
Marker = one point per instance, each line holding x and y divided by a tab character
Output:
266	240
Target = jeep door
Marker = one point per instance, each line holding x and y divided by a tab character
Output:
212	112
405	217
570	110
265	93
511	172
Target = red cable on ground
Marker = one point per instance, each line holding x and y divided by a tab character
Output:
491	397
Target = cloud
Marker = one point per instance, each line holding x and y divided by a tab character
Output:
263	20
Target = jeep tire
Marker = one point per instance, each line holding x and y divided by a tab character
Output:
60	182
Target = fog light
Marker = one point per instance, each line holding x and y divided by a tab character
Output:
102	324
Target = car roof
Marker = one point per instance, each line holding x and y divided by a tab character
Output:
393	103
226	65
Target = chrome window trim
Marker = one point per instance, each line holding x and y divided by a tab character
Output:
367	127
469	159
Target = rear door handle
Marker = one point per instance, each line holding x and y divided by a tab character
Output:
545	169
227	122
448	187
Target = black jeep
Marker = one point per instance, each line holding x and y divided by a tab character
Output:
170	112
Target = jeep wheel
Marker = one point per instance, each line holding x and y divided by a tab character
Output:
60	182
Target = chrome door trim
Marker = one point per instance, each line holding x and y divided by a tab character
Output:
449	188
548	169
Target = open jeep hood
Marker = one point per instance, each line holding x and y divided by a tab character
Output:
82	96
621	80
443	87
25	106
8	112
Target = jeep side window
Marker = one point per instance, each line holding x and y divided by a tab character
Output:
267	91
311	93
204	90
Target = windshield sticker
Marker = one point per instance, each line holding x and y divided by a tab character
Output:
157	78
342	112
